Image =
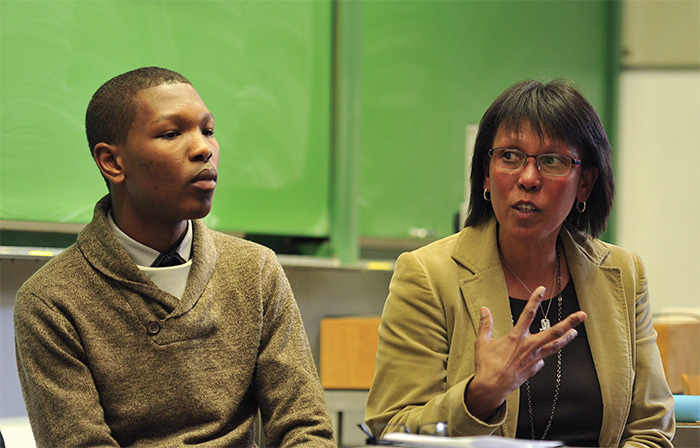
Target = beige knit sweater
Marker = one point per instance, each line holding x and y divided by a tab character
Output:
106	358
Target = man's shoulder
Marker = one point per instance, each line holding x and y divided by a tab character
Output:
235	248
60	272
237	243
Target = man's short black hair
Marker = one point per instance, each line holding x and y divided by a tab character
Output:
112	109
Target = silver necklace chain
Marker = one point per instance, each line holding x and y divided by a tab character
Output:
544	323
557	383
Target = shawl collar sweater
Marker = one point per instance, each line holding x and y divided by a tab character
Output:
106	358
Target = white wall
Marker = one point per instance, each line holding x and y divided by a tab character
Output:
658	179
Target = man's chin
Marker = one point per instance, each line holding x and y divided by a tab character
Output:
199	211
200	214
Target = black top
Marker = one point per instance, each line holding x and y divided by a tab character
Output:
579	411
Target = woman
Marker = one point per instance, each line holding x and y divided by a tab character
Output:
478	328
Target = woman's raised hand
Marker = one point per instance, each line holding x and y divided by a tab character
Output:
504	364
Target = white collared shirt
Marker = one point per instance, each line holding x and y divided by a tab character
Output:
171	279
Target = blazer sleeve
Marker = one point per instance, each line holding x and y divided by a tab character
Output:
59	392
289	392
410	381
651	420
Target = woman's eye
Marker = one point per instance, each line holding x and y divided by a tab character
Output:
553	161
510	155
209	132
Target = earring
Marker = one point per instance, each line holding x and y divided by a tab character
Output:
487	195
580	206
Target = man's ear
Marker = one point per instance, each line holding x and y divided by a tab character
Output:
109	162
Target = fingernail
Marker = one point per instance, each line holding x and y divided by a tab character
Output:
483	312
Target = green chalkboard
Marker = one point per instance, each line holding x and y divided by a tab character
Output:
262	67
430	68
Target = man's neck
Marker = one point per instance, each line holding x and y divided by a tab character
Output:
144	255
160	237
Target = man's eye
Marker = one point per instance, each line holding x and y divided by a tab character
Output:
209	132
170	135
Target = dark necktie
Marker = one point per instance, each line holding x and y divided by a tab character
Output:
166	259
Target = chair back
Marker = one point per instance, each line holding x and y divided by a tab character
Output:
691	384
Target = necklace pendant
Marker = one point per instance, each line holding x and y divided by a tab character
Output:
544	324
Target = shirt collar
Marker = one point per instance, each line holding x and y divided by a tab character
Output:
142	254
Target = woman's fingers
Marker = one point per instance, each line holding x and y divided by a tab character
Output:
485	324
562	329
561	334
512	359
552	347
522	327
536	347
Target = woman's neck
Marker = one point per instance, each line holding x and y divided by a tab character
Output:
527	266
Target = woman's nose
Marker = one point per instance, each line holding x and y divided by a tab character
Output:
530	176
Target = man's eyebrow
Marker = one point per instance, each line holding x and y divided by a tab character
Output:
179	117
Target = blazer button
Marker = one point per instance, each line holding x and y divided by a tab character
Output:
153	327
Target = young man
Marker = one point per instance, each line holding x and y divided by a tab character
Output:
115	349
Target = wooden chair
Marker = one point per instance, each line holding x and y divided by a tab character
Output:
691	384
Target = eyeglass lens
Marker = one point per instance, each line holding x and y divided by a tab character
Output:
432	429
513	160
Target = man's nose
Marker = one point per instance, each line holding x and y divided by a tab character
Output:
202	148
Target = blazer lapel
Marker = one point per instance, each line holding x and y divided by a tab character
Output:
601	296
481	277
483	284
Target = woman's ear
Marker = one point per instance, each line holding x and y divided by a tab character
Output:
586	182
108	161
487	179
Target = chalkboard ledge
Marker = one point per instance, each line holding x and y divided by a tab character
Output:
297	261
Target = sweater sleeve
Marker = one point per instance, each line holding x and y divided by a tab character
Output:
651	419
290	395
410	380
62	402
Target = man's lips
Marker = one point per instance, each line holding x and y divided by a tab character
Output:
205	179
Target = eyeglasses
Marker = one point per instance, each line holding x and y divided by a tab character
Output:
376	437
513	161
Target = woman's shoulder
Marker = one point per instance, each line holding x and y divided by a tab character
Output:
601	252
437	251
472	247
438	246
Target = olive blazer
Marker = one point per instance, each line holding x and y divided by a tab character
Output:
430	322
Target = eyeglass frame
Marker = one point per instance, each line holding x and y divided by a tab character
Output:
574	162
440	430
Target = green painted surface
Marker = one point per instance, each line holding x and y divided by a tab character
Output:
346	124
263	68
427	69
432	67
